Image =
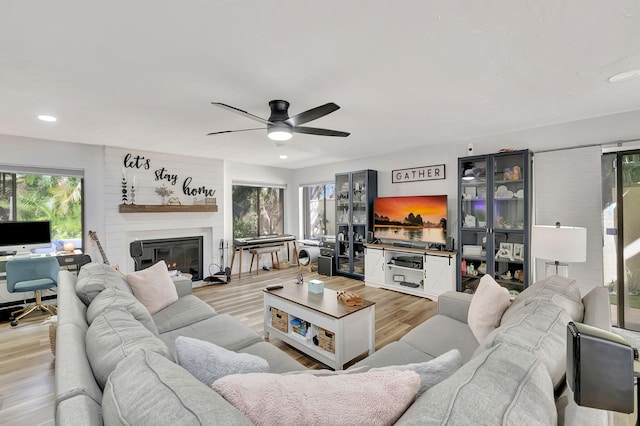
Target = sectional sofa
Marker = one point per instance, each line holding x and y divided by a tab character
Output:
118	364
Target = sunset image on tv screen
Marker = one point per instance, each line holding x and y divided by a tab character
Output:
413	218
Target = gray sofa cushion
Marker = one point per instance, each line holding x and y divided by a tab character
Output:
95	277
71	310
279	362
113	336
163	393
185	311
538	327
223	330
440	334
472	396
116	298
562	291
394	353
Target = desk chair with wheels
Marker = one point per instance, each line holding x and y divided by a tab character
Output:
32	274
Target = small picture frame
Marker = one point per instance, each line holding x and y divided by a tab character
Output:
518	251
398	278
505	251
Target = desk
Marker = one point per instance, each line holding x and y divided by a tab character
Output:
66	260
249	244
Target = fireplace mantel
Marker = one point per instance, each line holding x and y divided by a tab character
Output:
166	208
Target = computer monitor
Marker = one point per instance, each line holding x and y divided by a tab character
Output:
22	237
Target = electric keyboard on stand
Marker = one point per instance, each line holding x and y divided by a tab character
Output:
240	244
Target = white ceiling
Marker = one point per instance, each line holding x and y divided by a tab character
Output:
141	74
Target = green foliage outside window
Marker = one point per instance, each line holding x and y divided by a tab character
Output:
257	211
57	199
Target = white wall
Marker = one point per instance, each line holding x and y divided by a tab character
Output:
123	228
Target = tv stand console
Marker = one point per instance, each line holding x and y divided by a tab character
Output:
418	271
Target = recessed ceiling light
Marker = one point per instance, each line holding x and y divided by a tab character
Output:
284	156
47	118
624	76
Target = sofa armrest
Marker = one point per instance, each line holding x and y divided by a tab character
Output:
597	311
183	285
454	305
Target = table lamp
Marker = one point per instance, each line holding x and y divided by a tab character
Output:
559	244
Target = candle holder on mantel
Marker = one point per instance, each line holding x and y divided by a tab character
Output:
124	190
133	194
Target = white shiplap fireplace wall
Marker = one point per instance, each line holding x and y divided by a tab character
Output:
122	228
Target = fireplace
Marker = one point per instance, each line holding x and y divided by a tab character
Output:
183	254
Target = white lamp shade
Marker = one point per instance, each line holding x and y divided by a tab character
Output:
562	244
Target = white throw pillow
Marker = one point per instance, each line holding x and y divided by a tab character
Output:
153	287
371	398
487	306
209	362
431	372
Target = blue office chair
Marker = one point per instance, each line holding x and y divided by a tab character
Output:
32	274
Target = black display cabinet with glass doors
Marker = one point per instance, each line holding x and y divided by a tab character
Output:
494	219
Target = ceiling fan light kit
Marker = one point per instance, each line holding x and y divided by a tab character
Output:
280	127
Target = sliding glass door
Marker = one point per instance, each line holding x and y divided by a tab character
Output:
621	241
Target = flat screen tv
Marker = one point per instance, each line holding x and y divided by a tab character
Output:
413	219
22	237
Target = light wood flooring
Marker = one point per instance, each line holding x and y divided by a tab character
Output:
27	391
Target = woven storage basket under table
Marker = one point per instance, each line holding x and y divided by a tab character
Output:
279	320
327	340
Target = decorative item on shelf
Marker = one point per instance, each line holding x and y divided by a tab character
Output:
133	191
174	201
123	183
163	192
512	173
505	251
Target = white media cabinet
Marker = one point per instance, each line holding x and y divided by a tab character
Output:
432	273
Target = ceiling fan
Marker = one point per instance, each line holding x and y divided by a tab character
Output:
280	127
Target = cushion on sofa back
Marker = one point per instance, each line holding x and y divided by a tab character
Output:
487	306
153	287
115	298
562	291
539	327
114	335
502	386
163	393
95	277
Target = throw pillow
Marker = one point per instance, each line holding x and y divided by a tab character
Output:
153	287
487	306
209	362
431	372
371	398
148	389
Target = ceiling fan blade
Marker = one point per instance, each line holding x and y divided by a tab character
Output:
312	114
241	112
320	132
234	131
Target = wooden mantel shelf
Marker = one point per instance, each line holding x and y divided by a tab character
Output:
166	208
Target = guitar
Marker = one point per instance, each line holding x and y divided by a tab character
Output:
95	239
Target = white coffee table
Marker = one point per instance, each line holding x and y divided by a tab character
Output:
353	326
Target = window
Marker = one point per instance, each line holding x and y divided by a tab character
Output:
319	210
257	211
56	198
